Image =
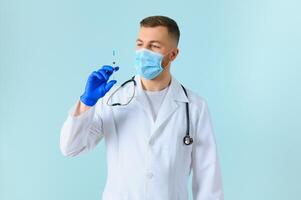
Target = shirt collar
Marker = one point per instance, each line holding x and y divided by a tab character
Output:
175	91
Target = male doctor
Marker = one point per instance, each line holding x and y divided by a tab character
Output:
145	125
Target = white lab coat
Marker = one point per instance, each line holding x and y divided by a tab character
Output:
146	159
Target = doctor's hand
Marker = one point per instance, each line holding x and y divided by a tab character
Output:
97	85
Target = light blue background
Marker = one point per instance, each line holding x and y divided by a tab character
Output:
242	56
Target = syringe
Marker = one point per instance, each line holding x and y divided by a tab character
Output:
114	58
114	62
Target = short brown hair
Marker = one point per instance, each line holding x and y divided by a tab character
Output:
167	22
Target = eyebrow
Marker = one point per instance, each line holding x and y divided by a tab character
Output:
152	41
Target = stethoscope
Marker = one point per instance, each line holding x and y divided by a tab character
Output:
187	140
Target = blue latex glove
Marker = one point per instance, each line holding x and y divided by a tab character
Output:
97	85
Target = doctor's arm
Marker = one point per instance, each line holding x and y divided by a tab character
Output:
81	108
81	131
206	178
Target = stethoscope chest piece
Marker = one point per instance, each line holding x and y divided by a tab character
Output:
187	140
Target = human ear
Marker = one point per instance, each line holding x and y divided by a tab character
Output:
174	54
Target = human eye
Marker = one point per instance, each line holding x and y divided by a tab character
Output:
155	46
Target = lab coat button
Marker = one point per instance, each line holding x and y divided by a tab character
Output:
150	175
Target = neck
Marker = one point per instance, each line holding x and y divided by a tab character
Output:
156	84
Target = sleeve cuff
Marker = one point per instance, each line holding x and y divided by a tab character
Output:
83	115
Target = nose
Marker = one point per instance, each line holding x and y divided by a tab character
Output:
147	47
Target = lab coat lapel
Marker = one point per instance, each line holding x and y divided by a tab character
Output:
142	100
174	95
169	105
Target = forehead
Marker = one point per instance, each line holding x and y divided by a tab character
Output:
159	33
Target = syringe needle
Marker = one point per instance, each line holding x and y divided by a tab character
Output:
114	62
114	58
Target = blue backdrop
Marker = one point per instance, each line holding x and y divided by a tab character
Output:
242	56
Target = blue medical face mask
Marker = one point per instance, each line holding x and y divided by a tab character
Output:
148	63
